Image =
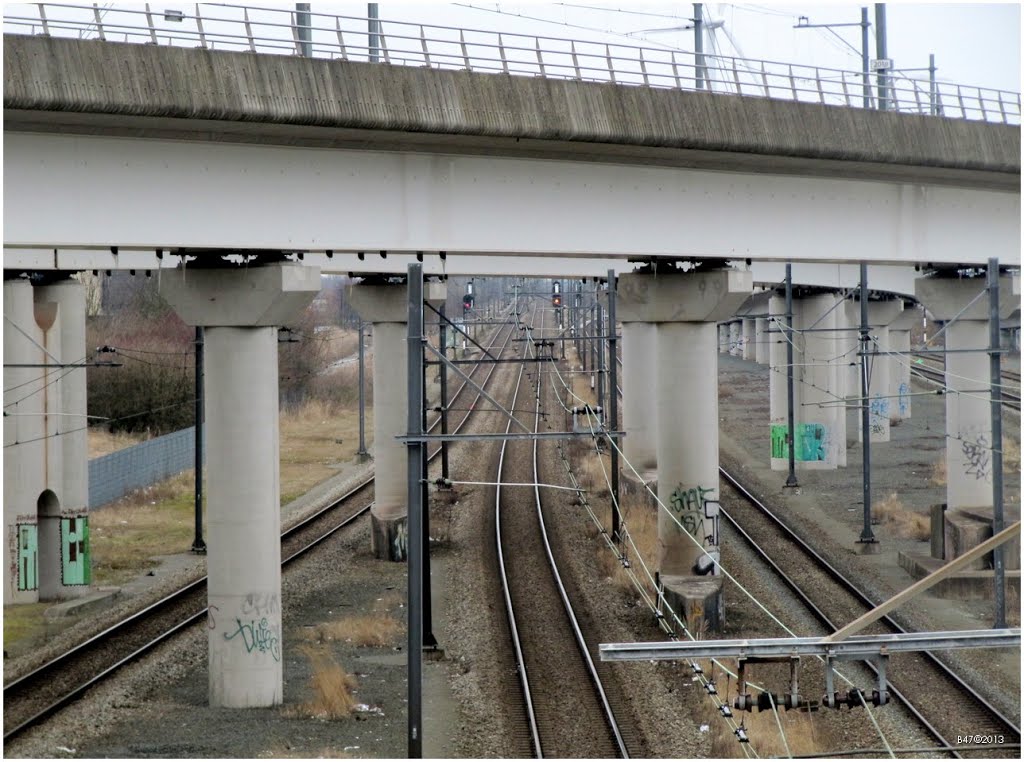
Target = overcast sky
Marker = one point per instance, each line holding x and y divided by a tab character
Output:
974	44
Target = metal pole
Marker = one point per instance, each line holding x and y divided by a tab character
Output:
932	86
995	379
791	403
362	453
866	535
373	30
429	641
865	65
303	29
881	53
698	43
414	652
601	367
444	395
613	402
198	543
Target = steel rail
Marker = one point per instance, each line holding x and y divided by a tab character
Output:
182	593
853	590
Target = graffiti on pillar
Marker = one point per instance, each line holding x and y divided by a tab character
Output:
400	542
879	415
904	399
257	636
27	556
699	517
75	566
261	604
812	442
780	443
976	446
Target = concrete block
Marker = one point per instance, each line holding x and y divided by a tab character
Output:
697	601
967	585
1012	548
947	297
682	297
633	488
962	533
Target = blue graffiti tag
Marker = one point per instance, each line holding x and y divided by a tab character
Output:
257	637
904	398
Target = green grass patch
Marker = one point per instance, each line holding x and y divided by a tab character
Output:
24	623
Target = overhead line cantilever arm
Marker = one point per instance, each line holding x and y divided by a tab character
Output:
449	322
472	383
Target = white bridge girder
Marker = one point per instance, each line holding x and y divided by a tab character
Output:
76	191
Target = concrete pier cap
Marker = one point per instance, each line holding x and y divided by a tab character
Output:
684	308
241	309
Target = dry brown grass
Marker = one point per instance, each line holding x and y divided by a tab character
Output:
939	472
903	521
641	522
1011	454
317	439
365	630
330	685
102	442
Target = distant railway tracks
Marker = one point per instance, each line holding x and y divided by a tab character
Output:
566	694
929	367
34	697
945	704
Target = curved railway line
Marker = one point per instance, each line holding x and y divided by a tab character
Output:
32	698
928	367
553	655
952	708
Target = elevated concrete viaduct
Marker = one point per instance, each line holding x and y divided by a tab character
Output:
137	153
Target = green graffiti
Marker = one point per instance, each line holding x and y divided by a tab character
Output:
28	557
76	568
811	442
780	447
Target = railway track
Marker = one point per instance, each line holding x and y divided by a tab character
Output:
553	656
36	696
927	366
943	702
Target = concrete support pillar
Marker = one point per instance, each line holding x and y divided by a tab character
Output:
639	409
241	310
736	338
72	572
684	307
778	401
761	339
723	338
899	377
748	338
880	315
968	415
24	444
386	307
850	346
820	419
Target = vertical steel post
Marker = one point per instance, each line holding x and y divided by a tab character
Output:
698	43
790	404
995	379
866	535
429	641
865	65
444	393
613	403
882	50
932	86
601	367
592	334
414	651
304	31
362	453
198	543
373	32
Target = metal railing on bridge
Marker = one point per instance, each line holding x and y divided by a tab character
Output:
280	30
